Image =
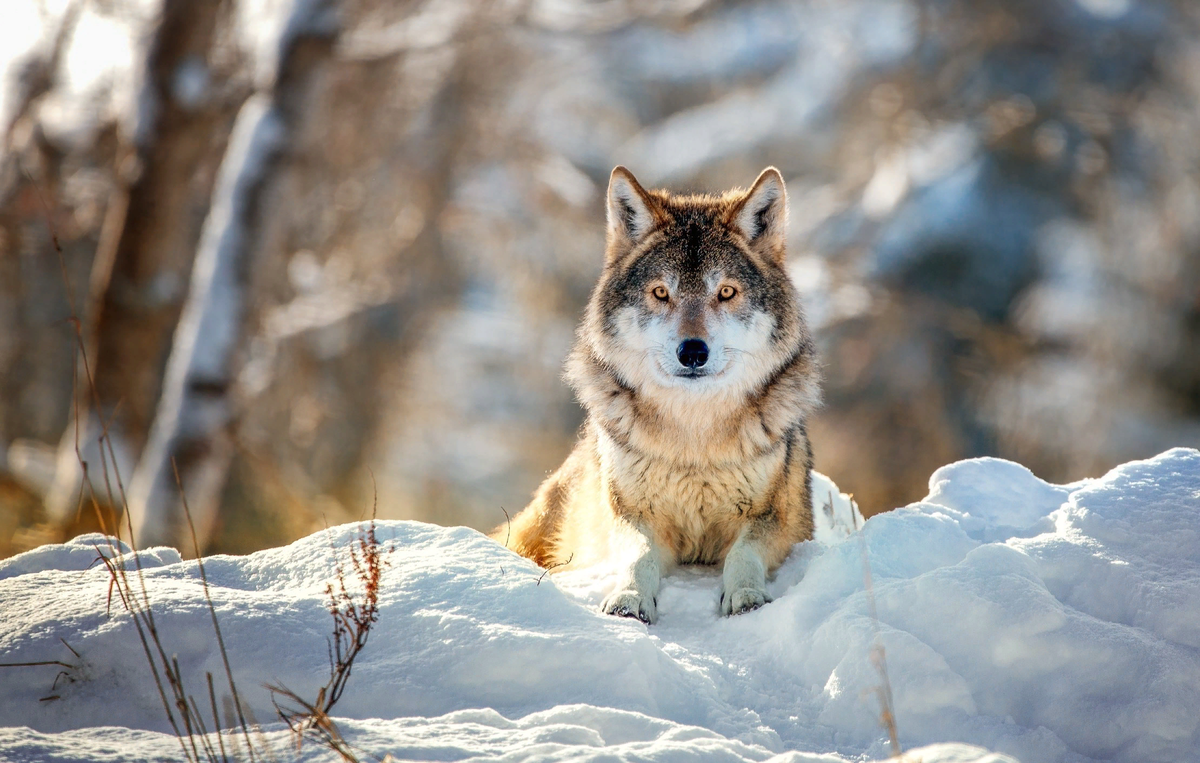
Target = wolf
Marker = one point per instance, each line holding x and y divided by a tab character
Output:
698	376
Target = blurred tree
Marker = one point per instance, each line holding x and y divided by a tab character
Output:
993	224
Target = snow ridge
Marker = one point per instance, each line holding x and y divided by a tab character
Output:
1049	623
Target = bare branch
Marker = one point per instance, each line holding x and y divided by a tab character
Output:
555	566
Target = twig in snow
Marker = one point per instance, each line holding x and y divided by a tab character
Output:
887	713
507	526
352	621
553	566
507	533
35	664
71	672
237	701
68	646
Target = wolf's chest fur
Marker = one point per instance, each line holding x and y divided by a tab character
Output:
694	510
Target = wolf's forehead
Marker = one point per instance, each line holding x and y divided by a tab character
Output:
699	269
698	251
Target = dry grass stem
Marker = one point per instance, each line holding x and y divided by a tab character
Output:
182	711
887	712
353	616
554	566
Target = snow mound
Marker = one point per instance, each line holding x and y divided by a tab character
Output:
1049	623
81	553
576	733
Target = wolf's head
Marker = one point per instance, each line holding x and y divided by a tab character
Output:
694	296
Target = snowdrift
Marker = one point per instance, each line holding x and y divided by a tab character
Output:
1045	622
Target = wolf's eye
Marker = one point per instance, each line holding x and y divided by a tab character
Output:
660	293
726	293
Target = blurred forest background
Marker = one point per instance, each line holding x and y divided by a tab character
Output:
322	249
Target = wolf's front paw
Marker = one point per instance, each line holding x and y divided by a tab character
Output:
630	603
742	600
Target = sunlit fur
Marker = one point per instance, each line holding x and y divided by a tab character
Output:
675	465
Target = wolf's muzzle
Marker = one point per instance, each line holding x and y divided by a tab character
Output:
692	353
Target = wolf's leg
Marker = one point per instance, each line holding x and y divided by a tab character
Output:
744	579
637	593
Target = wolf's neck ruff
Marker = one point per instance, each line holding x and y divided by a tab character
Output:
698	376
702	427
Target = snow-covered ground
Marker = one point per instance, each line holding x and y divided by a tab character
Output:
1050	623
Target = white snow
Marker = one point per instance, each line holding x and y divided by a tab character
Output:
1050	623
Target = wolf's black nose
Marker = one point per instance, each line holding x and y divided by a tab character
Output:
693	353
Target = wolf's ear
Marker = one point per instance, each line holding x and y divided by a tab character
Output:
762	215
630	208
